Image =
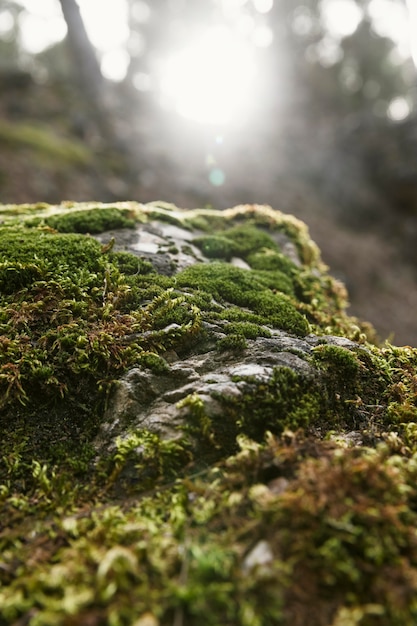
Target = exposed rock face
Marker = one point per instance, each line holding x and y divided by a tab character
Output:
194	430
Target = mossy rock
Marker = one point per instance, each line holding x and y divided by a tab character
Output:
194	431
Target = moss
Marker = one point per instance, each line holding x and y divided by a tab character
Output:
245	289
215	246
234	342
59	150
237	241
130	265
274	517
88	221
270	260
153	362
247	329
288	401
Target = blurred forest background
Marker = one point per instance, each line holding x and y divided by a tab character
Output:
307	105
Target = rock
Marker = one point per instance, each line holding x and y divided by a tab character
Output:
194	430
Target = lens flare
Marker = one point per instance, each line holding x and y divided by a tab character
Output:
210	81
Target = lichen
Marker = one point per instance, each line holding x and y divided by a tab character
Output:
297	506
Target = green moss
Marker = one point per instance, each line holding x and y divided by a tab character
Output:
237	241
288	401
248	239
215	246
245	289
88	221
130	265
59	150
224	523
270	260
247	329
153	362
234	342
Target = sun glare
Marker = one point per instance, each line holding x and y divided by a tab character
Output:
209	80
341	17
40	26
412	27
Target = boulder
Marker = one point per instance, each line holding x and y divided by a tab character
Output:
194	429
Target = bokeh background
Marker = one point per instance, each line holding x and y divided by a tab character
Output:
306	105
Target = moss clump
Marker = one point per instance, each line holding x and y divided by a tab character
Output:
88	221
237	241
153	362
269	260
247	329
70	323
245	289
233	341
287	401
215	247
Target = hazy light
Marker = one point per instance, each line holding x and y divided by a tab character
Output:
389	19
341	17
412	30
262	36
39	30
6	22
302	23
107	27
106	22
141	12
42	25
263	6
398	109
217	177
142	81
328	51
114	64
210	80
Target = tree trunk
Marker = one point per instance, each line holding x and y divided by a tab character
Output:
96	93
88	73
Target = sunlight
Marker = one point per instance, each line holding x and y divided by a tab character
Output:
107	27
41	26
412	10
341	17
210	80
399	109
106	22
389	19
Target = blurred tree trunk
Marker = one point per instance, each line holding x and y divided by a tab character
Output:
82	50
88	73
96	93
